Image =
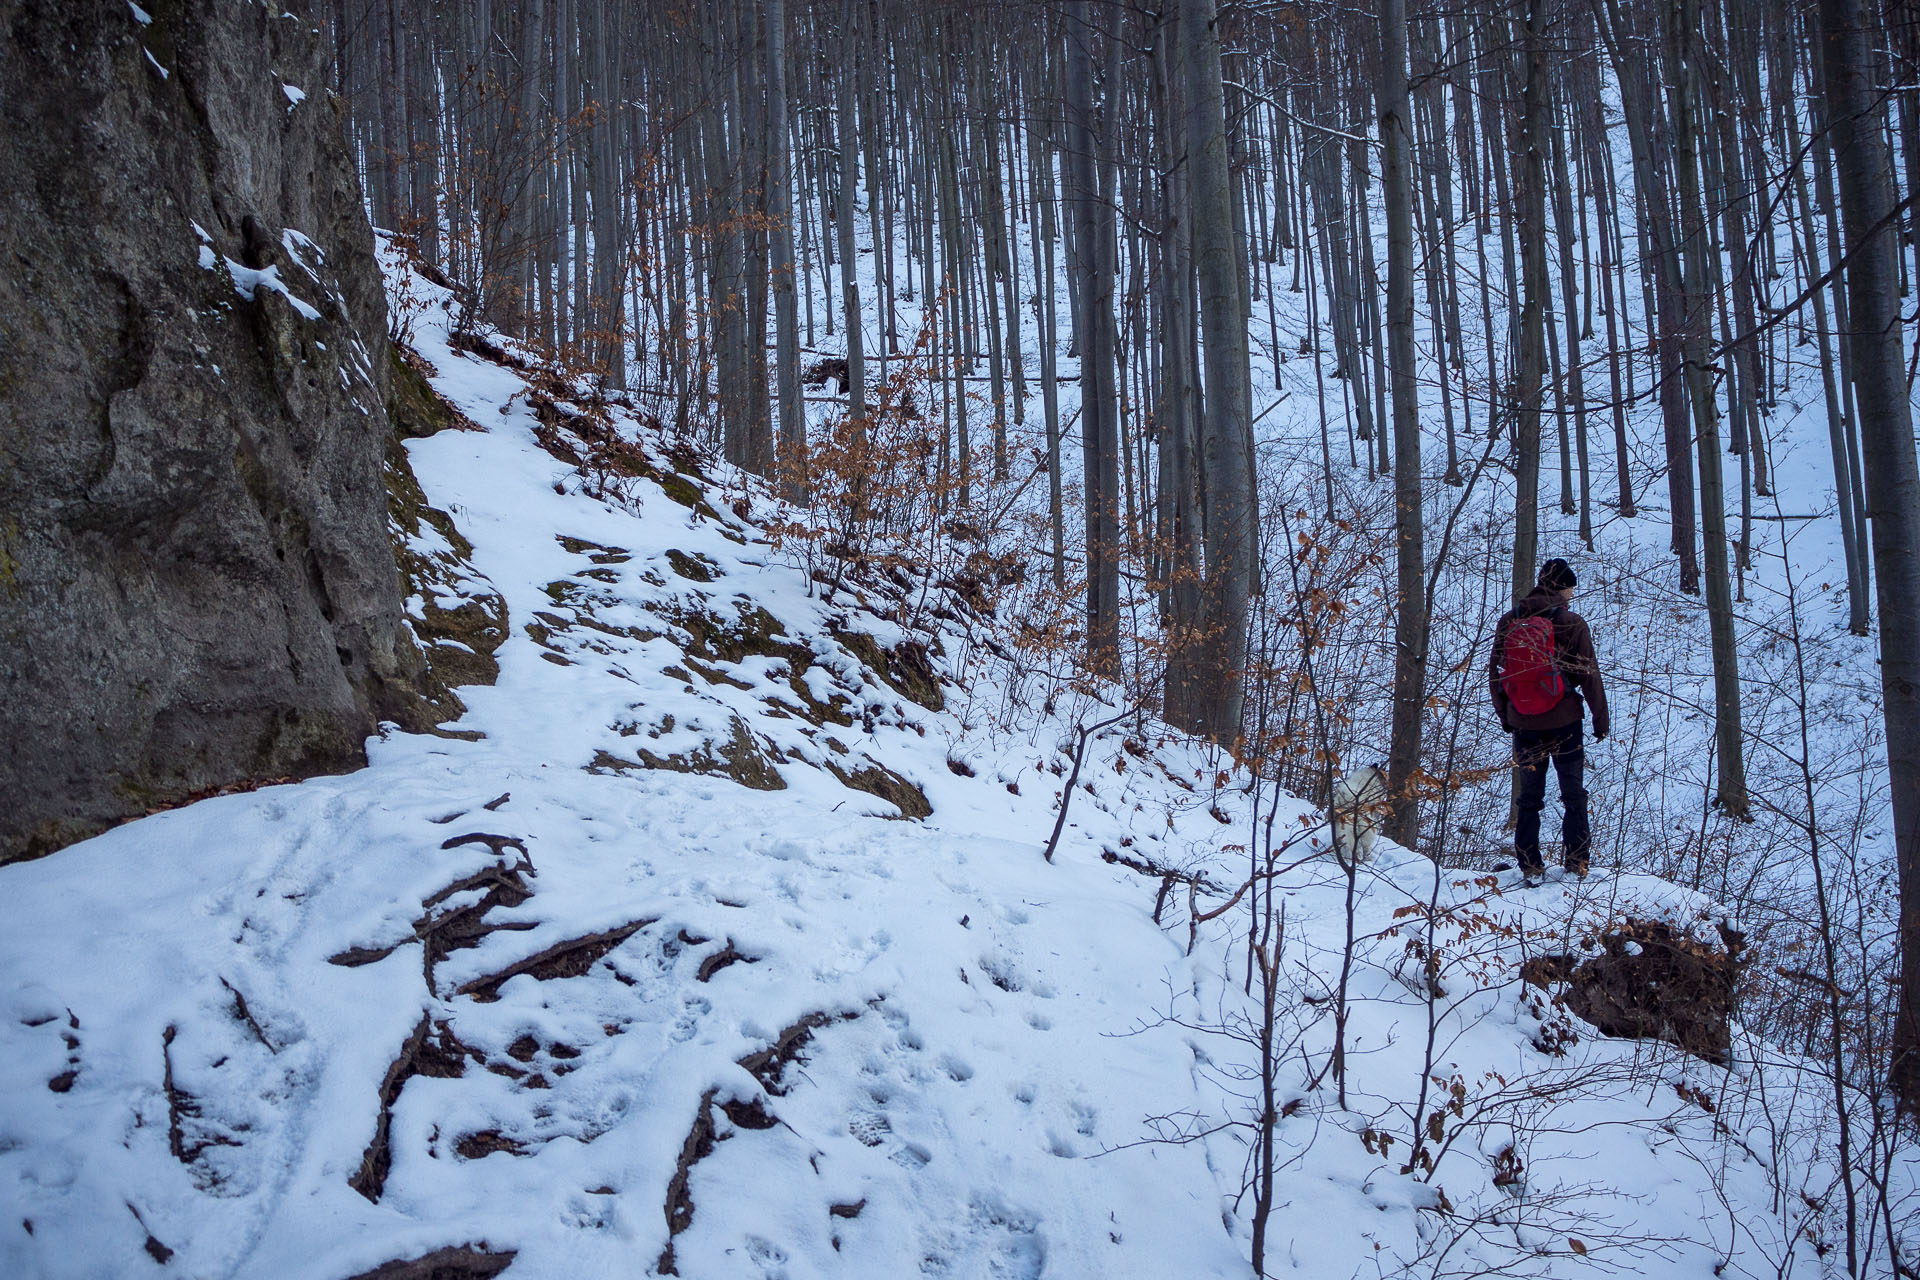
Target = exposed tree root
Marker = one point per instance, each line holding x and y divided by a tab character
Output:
770	1063
505	886
476	1146
698	1145
569	959
245	1015
431	1050
155	1250
182	1107
766	1066
455	1262
721	959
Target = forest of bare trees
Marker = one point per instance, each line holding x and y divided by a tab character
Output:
1463	254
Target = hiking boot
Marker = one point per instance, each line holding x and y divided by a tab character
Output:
1533	877
1577	870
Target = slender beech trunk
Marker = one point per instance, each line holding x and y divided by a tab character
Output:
1410	598
1226	426
849	141
1180	522
1567	227
1858	117
1730	755
754	447
1843	410
792	433
1656	225
1093	329
1529	368
1049	348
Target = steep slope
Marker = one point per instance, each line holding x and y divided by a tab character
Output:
512	991
196	587
721	944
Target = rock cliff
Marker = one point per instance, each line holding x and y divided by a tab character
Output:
197	589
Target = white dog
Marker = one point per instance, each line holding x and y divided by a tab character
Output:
1357	801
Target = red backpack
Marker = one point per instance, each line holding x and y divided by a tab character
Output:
1528	675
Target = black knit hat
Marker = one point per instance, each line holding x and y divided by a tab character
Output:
1557	575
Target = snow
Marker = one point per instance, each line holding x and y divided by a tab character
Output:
140	15
247	280
295	95
1012	1070
164	73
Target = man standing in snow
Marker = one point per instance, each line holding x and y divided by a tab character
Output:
1542	668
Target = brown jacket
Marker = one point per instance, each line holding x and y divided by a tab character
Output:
1572	653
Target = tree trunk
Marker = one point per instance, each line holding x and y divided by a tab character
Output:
1093	330
1179	524
1230	542
1655	223
1730	756
849	141
1410	598
792	434
1529	368
1858	117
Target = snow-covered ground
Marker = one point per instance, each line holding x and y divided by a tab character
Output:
649	970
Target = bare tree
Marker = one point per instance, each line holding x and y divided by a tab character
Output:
1226	426
1410	598
1893	478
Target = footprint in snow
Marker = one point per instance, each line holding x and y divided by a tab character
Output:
1002	973
874	1129
692	1009
870	1127
765	1252
1010	1240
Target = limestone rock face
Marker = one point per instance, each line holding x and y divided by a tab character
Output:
196	584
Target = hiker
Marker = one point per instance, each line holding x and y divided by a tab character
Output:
1541	670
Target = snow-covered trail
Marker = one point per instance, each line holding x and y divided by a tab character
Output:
207	1008
647	970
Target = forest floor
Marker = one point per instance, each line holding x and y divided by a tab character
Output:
721	943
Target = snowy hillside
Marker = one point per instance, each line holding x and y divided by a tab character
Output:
716	940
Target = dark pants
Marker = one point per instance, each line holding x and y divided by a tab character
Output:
1532	749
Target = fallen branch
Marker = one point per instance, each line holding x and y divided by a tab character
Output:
1079	757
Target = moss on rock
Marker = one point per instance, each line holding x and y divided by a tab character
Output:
878	780
906	668
740	758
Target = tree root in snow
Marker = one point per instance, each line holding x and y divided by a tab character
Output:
569	959
425	1053
455	1262
766	1066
